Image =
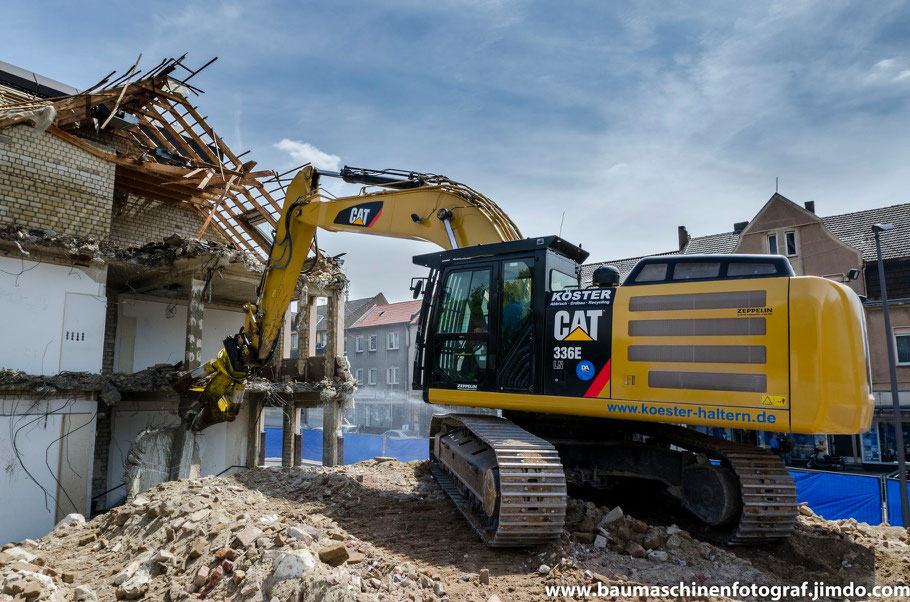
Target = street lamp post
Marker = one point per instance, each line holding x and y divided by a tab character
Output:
877	229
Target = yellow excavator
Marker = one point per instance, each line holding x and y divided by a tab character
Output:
594	384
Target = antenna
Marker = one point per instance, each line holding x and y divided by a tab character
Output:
561	220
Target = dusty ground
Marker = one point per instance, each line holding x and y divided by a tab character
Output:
384	531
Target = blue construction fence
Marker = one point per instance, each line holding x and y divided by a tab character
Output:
357	446
831	495
866	498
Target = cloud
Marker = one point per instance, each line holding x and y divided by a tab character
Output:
304	152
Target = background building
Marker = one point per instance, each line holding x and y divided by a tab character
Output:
380	350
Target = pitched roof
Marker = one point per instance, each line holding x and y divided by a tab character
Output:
393	313
725	242
623	265
855	229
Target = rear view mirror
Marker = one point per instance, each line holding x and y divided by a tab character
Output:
417	286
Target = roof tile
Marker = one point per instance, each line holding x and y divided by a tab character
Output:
393	313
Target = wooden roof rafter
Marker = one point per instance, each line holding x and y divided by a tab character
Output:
172	154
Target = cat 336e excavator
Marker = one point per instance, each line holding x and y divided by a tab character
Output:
594	383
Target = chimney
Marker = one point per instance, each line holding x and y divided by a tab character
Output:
739	227
810	206
683	237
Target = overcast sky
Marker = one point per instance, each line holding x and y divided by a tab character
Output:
630	119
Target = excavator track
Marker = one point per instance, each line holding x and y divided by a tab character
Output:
768	493
760	480
530	486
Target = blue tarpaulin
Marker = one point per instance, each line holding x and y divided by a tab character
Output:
893	491
836	496
407	449
272	442
357	447
312	445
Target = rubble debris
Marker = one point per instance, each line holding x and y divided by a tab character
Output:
71	519
151	255
159	378
400	539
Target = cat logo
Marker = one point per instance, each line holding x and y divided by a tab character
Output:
580	325
363	215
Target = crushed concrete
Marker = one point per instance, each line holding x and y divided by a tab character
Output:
161	378
385	531
153	254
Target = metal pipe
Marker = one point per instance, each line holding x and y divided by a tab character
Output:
892	368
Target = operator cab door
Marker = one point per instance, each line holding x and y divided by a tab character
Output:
518	301
462	353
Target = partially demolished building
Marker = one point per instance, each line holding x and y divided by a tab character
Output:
130	237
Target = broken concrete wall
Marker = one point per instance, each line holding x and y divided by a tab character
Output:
46	455
48	183
55	316
158	455
150	332
143	454
138	220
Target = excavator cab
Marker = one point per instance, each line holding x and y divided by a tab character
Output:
483	314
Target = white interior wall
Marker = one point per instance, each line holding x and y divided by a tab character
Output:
223	445
33	429
160	332
33	298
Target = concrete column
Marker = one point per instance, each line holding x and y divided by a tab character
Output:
194	311
334	341
290	426
332	410
298	439
331	335
253	405
331	431
278	355
306	330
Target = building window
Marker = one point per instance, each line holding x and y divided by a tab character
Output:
393	375
372	376
790	239
358	344
772	244
358	375
392	341
293	340
902	342
373	339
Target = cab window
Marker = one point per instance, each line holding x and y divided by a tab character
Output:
652	272
695	271
463	328
560	281
517	284
466	303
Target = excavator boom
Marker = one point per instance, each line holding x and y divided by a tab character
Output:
408	205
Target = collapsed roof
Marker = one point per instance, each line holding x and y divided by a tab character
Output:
163	147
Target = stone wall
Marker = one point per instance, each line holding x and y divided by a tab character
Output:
51	184
137	220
